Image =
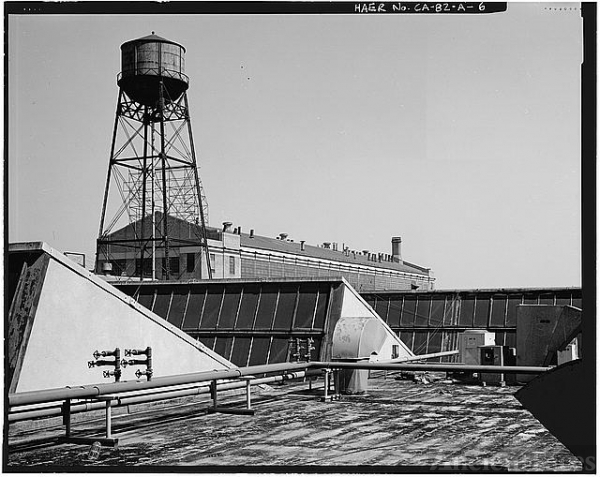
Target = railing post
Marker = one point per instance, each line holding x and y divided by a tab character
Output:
108	418
248	394
325	384
213	392
67	417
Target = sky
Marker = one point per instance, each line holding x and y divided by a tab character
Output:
459	133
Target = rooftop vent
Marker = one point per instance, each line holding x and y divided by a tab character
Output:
396	249
326	244
283	236
227	226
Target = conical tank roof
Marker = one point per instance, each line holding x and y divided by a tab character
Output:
153	38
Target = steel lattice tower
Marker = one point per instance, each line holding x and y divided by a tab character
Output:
152	176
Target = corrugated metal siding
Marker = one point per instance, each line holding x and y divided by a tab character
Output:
247	323
361	278
429	322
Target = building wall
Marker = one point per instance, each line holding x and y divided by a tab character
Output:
266	264
191	261
229	259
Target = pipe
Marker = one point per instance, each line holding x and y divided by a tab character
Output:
94	390
433	367
419	357
151	397
35	397
91	391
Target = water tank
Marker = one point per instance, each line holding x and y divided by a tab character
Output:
148	60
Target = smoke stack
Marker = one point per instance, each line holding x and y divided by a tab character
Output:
396	249
227	226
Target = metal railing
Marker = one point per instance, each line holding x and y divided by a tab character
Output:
164	72
95	390
106	396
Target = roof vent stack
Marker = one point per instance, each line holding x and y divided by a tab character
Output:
397	249
227	226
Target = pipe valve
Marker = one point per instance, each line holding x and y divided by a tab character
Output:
116	362
135	352
148	373
116	373
148	361
133	362
97	353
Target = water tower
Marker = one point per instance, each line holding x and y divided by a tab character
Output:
153	199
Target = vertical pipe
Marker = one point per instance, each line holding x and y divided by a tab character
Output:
163	155
144	187
117	365
152	236
149	371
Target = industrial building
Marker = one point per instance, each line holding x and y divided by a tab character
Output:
233	254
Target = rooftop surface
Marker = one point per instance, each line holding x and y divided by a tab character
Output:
397	424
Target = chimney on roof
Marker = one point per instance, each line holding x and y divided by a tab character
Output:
365	252
302	245
335	246
282	236
227	226
396	249
251	233
326	244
